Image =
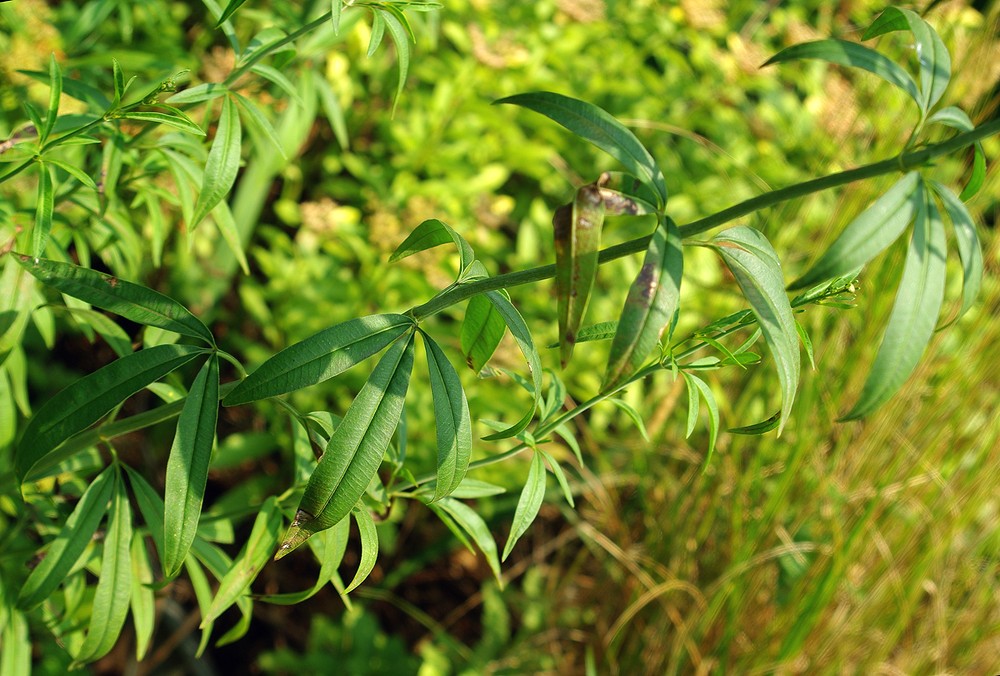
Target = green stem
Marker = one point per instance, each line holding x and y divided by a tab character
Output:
902	162
260	54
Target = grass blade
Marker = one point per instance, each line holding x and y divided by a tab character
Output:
528	503
187	466
522	336
869	234
598	127
86	401
969	249
222	165
914	314
451	415
320	357
482	331
132	301
757	269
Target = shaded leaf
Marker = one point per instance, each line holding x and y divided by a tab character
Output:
259	122
74	171
223	218
396	24
222	164
176	120
528	504
969	249
143	600
522	336
482	331
633	416
369	546
560	476
763	427
432	233
473	524
452	421
44	204
55	96
228	11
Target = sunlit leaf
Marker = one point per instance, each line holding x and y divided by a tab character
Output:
44	204
74	171
528	504
396	24
55	96
228	11
259	122
560	476
969	249
522	336
432	233
958	119
935	62
222	164
206	91
482	331
451	419
176	120
705	392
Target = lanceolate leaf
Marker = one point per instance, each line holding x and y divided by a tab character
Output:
624	194
577	233
969	249
228	11
935	62
528	504
451	415
869	234
222	164
143	599
87	400
259	122
851	54
369	546
177	120
473	524
44	205
114	586
914	314
595	125
356	448
522	336
757	269
55	95
329	548
132	301
432	233
697	386
482	331
336	9
187	467
957	119
395	23
320	357
71	542
650	305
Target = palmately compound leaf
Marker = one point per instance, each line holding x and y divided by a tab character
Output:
223	162
935	62
595	125
650	305
757	270
522	336
355	450
432	233
851	54
89	399
869	234
914	314
187	466
451	418
126	299
577	236
528	504
320	357
969	249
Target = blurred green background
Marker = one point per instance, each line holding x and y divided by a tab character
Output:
867	547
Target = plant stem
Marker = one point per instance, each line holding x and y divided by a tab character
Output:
261	53
901	163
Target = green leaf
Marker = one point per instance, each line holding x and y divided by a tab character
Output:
598	127
114	585
395	23
451	416
44	205
223	218
89	399
55	95
757	269
432	233
471	489
320	357
336	8
119	82
334	111
694	402
956	118
650	305
806	343
254	555
369	546
624	194
355	450
482	331
851	54
560	476
187	466
763	427
914	314
143	599
378	31
522	336
259	122
206	91
633	416
276	77
329	548
69	545
473	524
132	301
15	658
869	234
228	11
75	172
935	62
176	120
528	504
969	249
222	165
696	383
577	235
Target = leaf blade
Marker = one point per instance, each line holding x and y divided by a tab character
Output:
528	504
522	336
452	420
970	251
482	330
222	165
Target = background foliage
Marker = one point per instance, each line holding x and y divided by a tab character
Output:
867	546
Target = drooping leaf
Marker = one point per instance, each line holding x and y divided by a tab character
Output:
44	204
259	122
763	427
329	548
251	559
55	96
143	600
86	401
71	542
969	249
598	127
222	164
694	402
114	585
806	344
176	120
74	171
957	119
935	62
482	331
276	77
432	233
451	418
851	54
369	546
650	305
757	270
705	392
624	194
355	450
869	234
473	524
206	91
633	416
334	111
132	301
522	336
320	357
528	504
914	314
395	23
577	235
560	476
187	466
